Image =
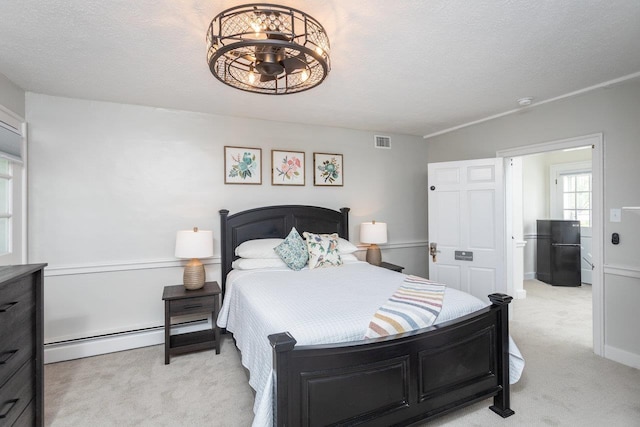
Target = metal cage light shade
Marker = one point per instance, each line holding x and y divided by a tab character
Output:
270	49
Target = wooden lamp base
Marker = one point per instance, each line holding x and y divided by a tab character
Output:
194	275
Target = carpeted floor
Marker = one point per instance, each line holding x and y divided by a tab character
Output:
563	384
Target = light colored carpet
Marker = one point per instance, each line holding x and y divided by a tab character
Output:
563	384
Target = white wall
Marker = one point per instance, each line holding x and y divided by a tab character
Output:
111	184
535	205
536	200
614	112
11	96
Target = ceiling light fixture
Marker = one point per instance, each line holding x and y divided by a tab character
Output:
523	102
270	49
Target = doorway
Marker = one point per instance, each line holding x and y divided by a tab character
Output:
518	222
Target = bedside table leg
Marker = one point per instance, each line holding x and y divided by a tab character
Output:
167	332
216	309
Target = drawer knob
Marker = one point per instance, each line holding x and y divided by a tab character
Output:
6	356
189	307
4	308
7	407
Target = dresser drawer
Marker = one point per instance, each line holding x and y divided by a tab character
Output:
15	354
15	290
28	417
16	394
191	305
17	316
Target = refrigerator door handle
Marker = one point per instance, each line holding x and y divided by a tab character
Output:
565	244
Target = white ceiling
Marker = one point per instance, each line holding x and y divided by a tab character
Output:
405	66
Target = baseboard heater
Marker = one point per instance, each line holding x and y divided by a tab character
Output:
59	351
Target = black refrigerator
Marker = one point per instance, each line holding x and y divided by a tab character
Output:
558	252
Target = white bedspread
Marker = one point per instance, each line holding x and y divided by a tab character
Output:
317	307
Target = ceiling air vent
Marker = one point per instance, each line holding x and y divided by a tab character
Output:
382	141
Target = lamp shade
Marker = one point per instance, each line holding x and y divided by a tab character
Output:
373	232
194	243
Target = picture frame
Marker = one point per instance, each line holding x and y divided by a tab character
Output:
242	165
287	167
328	169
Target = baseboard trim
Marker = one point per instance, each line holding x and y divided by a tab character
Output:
622	356
94	346
521	294
529	276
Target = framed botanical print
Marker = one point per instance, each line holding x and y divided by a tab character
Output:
242	165
287	167
328	169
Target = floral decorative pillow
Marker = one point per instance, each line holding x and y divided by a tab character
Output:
323	250
293	251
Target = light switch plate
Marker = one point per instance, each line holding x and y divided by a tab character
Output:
615	215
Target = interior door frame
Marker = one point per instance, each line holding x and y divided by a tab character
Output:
597	251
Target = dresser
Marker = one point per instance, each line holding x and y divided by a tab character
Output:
21	345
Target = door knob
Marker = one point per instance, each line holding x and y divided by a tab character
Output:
433	250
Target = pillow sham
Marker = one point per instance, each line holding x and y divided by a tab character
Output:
348	258
345	246
259	248
256	263
323	250
293	251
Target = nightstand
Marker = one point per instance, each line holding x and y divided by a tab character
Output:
390	266
178	301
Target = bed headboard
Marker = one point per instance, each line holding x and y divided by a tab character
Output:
275	222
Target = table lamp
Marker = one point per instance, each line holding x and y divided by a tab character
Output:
373	233
194	244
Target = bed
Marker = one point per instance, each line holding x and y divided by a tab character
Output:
331	377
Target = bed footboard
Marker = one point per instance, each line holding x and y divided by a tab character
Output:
399	380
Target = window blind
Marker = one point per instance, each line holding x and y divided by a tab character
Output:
10	143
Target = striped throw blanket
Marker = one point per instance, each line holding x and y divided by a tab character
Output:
414	305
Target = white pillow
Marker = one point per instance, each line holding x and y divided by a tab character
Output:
255	263
345	246
348	257
259	248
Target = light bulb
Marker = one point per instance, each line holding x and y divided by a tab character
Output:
319	50
252	77
304	76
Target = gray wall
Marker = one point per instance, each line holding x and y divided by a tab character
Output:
614	111
11	96
110	185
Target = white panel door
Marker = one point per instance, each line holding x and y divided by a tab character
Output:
466	225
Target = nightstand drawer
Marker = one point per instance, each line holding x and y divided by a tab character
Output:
191	305
16	394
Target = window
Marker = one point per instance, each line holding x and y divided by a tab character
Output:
5	205
570	193
12	191
576	197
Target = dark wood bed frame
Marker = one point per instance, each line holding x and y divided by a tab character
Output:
393	381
